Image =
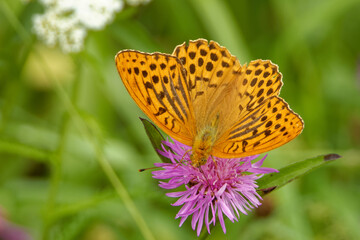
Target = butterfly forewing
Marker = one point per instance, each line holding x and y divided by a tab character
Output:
264	128
157	84
212	71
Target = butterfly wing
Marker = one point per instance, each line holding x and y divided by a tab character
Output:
211	69
267	126
251	117
157	84
265	121
184	93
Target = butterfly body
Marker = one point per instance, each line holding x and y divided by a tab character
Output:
203	144
203	97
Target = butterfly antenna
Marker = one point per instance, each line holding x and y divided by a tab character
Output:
144	169
182	160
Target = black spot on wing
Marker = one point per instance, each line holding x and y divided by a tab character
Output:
161	111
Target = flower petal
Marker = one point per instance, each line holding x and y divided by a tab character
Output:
221	219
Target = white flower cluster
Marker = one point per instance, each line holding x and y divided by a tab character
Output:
65	22
137	2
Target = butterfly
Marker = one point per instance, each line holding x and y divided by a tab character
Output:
203	97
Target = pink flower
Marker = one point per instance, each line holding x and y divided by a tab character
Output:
221	187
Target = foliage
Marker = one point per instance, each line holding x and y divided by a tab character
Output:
68	126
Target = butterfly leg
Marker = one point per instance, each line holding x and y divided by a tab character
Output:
212	157
182	158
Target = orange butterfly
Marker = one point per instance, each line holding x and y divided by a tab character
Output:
202	97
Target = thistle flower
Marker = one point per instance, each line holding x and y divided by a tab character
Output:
220	187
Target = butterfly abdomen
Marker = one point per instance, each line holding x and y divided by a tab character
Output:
203	144
201	150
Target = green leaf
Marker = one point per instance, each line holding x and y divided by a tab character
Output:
287	174
155	137
24	150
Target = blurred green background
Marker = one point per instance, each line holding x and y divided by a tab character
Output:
64	117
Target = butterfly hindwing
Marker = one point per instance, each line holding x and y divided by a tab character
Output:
157	84
262	129
259	80
265	121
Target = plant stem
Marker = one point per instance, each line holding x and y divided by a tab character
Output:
56	164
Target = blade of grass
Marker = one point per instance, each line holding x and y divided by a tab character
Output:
155	137
221	26
287	174
24	151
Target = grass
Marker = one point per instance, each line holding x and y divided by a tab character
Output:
71	141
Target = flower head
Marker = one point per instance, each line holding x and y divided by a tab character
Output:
220	187
66	22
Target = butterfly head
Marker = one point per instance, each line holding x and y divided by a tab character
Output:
200	152
197	162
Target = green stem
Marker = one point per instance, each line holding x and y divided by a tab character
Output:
56	166
223	27
121	191
24	150
10	88
14	22
69	210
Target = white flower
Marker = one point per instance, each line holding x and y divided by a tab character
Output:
65	22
